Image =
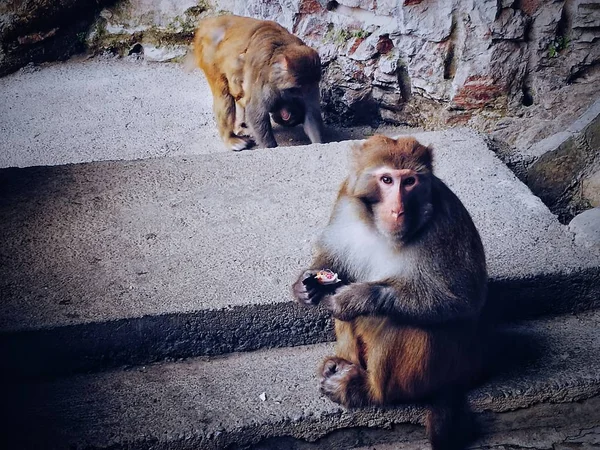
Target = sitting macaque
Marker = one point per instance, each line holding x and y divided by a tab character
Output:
258	68
413	282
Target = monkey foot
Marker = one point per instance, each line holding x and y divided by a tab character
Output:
338	380
242	130
334	365
238	143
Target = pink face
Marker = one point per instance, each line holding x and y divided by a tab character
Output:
395	186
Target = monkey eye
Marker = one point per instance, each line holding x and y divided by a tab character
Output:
409	181
387	180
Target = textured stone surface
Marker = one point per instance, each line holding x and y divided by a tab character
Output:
545	377
164	256
160	29
586	227
562	169
591	188
43	30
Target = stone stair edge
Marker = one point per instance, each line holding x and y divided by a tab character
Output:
129	341
569	285
245	398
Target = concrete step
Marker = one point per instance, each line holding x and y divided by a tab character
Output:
128	262
546	374
85	110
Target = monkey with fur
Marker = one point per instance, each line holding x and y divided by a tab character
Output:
414	282
258	67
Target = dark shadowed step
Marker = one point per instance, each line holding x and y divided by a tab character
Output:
245	398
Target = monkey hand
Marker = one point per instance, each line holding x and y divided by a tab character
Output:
348	302
307	289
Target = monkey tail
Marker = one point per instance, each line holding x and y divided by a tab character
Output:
450	423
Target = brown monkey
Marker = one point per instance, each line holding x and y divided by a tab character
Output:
265	69
414	282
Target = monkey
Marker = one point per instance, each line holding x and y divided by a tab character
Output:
414	281
258	68
289	112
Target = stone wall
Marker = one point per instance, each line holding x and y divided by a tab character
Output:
440	62
34	31
426	63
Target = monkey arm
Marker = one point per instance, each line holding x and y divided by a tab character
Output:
421	302
313	122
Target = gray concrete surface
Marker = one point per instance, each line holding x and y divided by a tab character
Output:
112	109
98	109
214	402
195	255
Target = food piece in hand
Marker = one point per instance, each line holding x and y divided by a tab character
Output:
327	277
324	280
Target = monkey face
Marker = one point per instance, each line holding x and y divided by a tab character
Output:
288	112
397	189
393	181
397	201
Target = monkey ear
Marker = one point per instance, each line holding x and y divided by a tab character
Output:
356	153
356	149
356	165
424	154
279	70
281	63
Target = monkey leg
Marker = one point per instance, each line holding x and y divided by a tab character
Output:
257	117
313	122
240	129
347	346
225	115
343	382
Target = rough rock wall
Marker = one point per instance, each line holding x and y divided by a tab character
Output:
43	30
431	63
440	62
160	29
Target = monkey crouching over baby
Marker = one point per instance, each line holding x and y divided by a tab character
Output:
256	68
413	283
